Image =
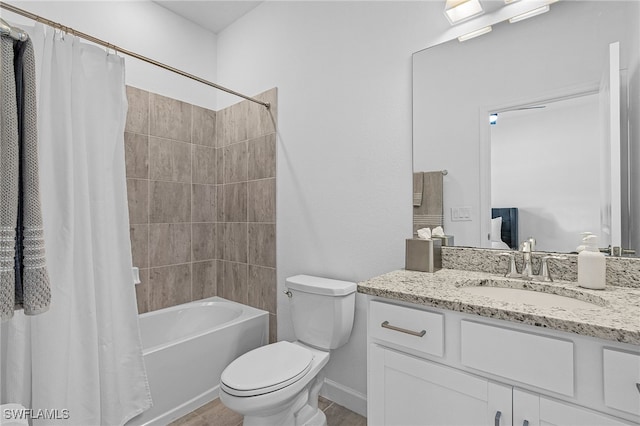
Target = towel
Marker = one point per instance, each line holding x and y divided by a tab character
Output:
24	281
430	213
417	189
8	178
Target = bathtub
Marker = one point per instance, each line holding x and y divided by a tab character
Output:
185	349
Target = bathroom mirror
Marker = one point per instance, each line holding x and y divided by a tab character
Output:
549	67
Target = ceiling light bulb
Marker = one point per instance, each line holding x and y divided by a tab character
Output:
475	33
459	10
530	14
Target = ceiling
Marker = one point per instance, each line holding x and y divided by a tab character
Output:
215	16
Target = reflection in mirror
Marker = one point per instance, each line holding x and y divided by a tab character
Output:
558	55
560	201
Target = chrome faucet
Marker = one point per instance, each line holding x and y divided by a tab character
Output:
527	247
512	271
545	274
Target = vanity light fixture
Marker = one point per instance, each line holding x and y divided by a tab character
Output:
459	10
530	14
475	33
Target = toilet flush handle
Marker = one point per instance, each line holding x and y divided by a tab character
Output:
288	293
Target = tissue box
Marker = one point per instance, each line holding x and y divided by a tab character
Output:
446	240
423	255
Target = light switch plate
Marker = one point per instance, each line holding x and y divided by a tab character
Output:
459	214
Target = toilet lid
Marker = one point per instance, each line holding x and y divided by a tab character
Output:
266	369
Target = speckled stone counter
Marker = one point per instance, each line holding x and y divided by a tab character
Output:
614	315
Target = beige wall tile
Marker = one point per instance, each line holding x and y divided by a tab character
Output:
169	160
170	202
204	241
262	157
262	288
204	203
235	163
232	281
262	244
198	201
138	200
169	118
273	328
139	235
220	165
235	202
170	285
204	126
204	280
169	244
238	121
220	204
261	200
234	242
138	111
136	153
261	120
223	127
204	164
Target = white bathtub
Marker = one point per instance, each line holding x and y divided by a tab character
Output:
185	349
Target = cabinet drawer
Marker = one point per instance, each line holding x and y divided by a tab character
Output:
622	381
529	358
404	326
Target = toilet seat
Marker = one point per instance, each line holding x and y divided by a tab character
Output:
266	369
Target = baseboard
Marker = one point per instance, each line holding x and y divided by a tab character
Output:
345	396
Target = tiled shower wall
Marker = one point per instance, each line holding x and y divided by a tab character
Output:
202	201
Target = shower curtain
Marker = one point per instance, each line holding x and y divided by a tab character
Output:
82	360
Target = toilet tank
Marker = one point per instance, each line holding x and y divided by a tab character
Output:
322	310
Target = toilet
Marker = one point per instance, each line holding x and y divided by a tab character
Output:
278	384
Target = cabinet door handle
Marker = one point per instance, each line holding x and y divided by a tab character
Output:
638	386
525	423
497	420
403	330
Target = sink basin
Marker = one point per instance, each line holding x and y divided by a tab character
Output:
535	294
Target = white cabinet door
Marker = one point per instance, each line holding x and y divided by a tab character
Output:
526	408
404	391
556	413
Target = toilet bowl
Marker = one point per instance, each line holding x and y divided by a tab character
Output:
278	384
270	385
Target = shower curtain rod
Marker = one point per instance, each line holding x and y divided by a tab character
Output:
103	43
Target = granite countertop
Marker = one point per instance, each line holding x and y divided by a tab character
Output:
614	315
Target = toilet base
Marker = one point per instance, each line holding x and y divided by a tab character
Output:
303	411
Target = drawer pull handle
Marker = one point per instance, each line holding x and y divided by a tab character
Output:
403	330
498	415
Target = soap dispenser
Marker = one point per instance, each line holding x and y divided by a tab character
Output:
591	264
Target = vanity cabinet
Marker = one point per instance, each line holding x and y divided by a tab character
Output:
436	367
406	390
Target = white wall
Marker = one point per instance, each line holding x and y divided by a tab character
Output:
343	72
555	190
147	29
